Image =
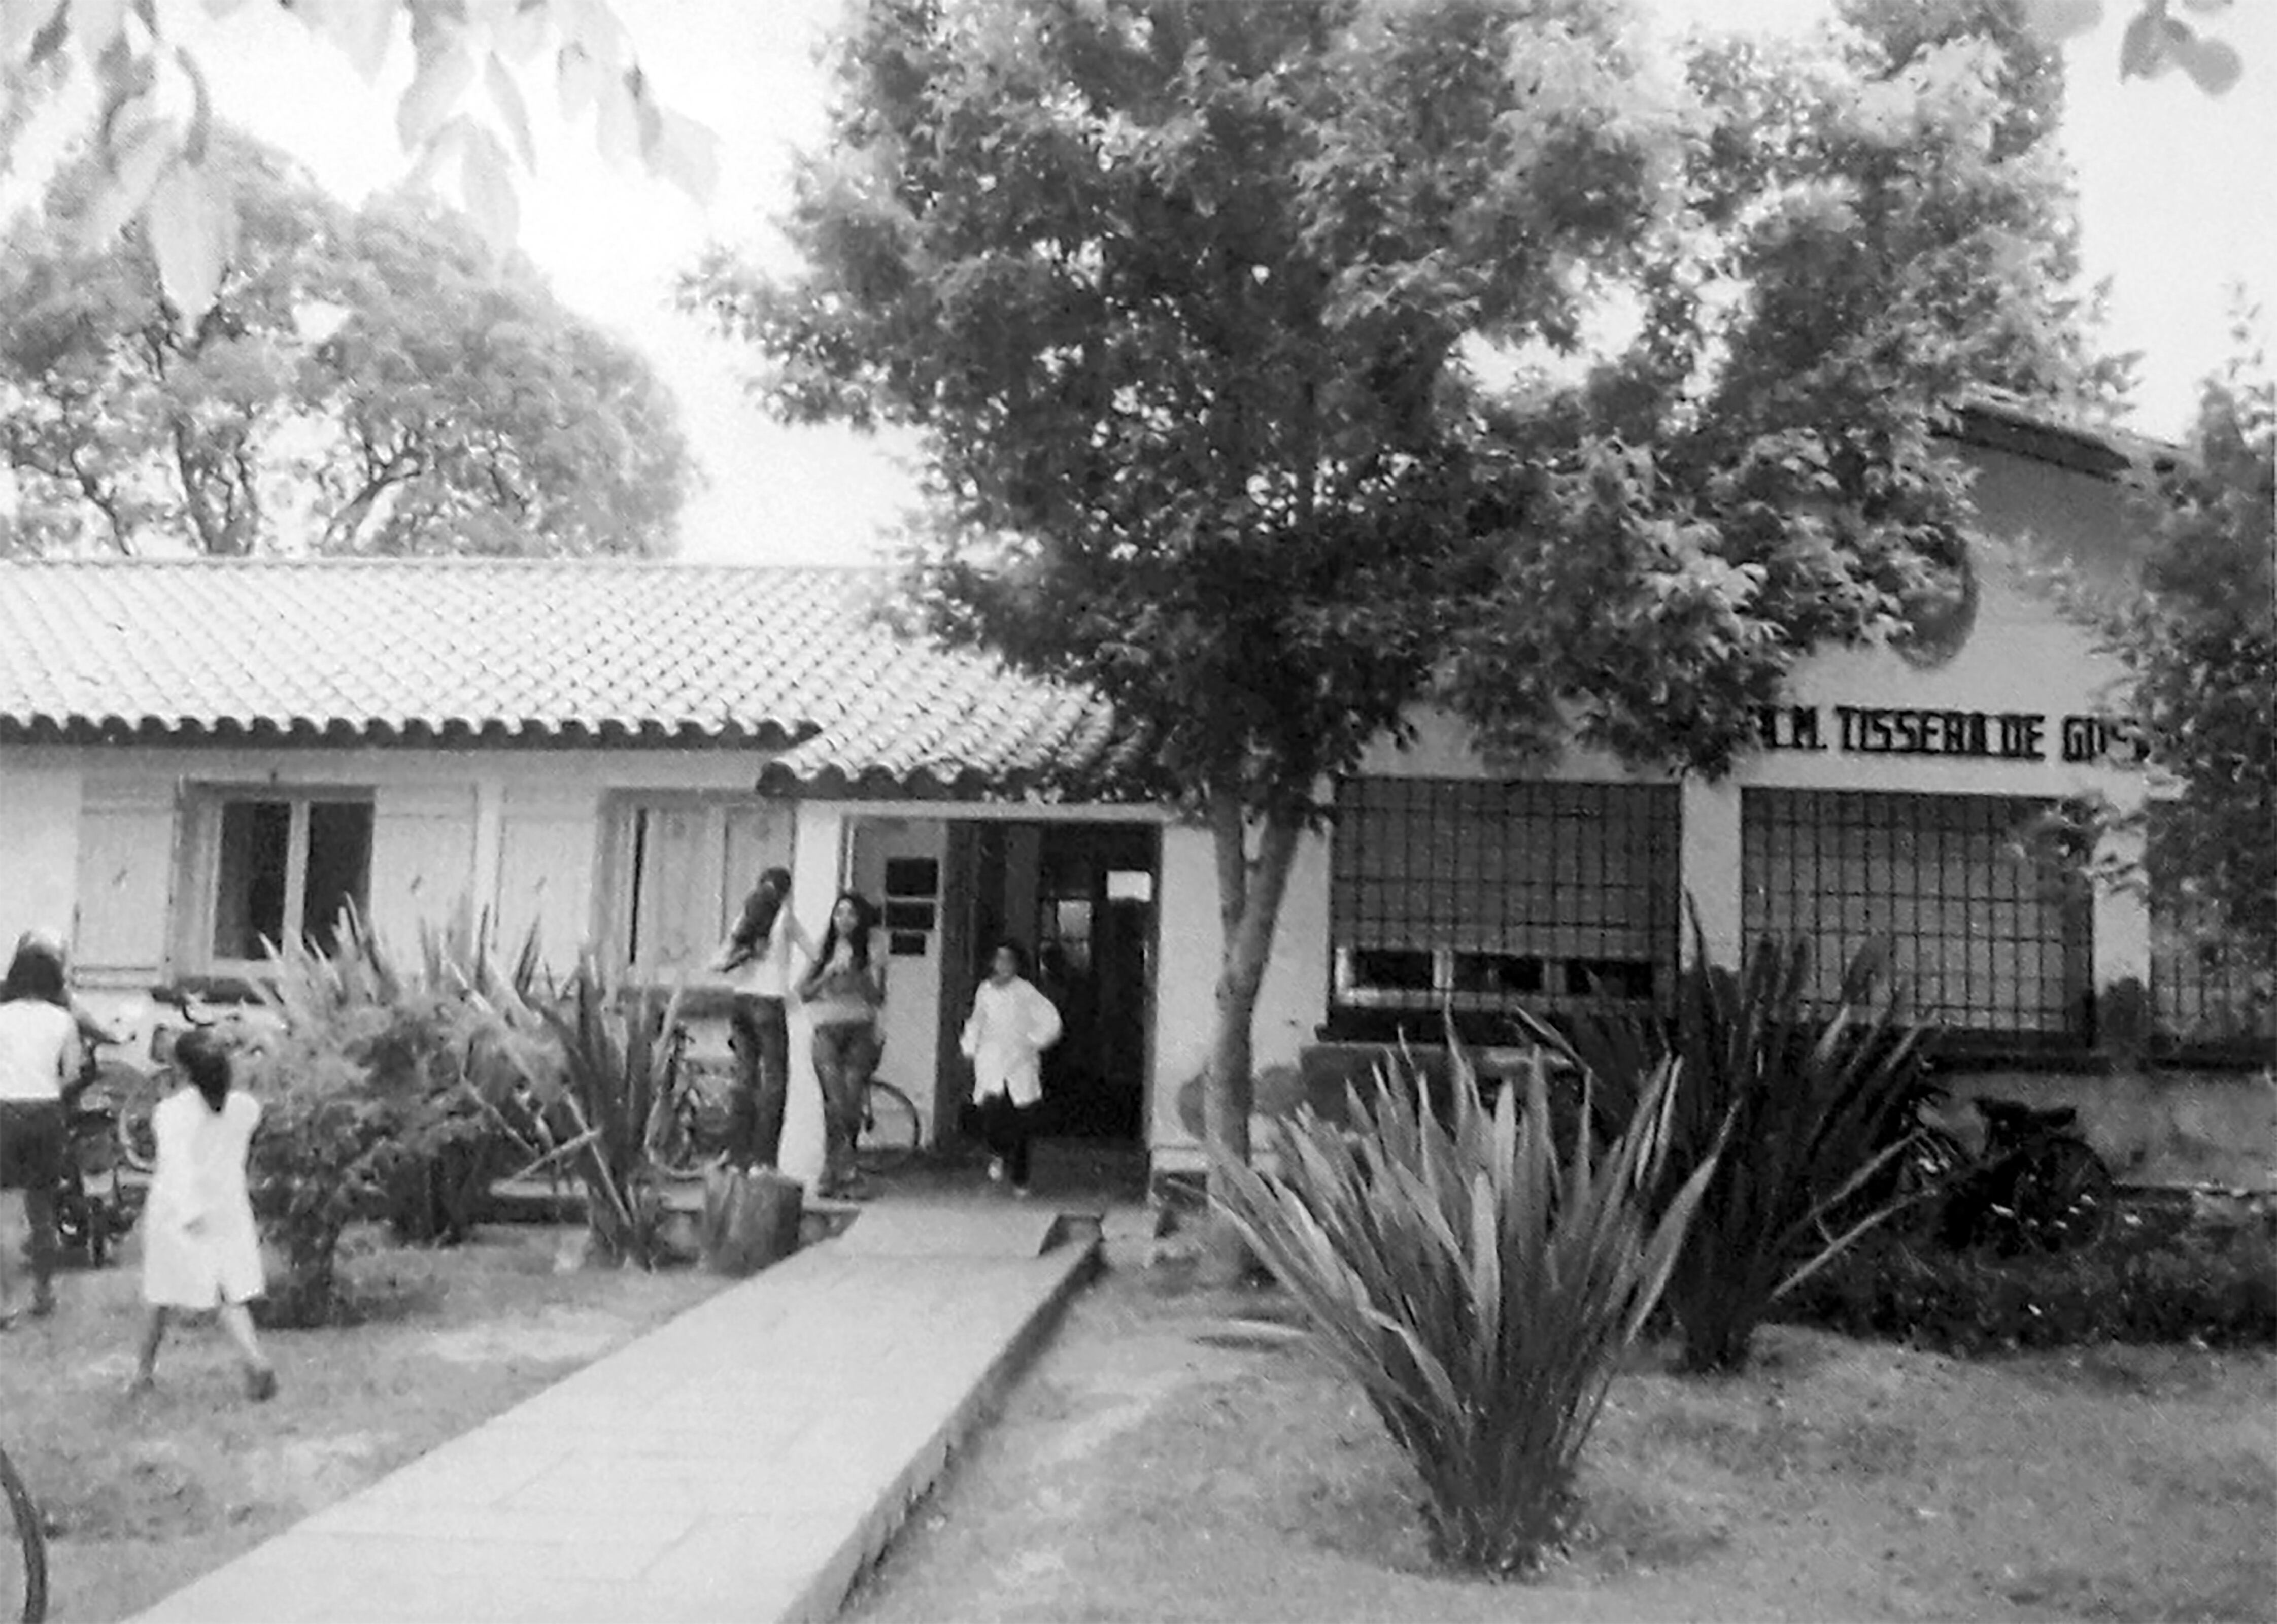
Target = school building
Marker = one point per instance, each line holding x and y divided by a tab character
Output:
197	755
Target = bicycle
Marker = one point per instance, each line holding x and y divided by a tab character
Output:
135	1091
2036	1187
891	1126
29	1550
89	1219
689	1126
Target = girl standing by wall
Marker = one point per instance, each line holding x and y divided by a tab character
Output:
1011	1026
200	1250
844	992
760	949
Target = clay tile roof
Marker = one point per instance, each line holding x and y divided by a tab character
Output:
786	660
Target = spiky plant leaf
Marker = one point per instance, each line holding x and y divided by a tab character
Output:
1476	1279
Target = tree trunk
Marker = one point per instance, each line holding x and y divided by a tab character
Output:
1250	889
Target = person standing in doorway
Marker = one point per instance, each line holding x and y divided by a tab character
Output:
845	993
1011	1026
39	1057
759	954
201	1251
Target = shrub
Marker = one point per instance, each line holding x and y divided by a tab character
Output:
1477	1282
372	1106
320	1163
598	1108
2218	1291
1813	1102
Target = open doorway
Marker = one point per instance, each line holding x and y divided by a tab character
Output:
1081	897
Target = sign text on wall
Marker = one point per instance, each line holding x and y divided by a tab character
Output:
1992	735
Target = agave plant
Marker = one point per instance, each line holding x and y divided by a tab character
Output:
1816	1099
1478	1278
599	1105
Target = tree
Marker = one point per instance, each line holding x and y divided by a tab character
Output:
1176	294
154	120
2199	642
1186	298
1866	228
366	381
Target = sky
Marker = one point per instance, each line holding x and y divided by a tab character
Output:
2169	213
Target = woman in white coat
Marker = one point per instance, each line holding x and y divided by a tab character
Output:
200	1250
1011	1026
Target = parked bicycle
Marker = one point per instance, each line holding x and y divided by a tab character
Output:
690	1123
136	1090
890	1126
24	1559
2037	1186
690	1127
91	1207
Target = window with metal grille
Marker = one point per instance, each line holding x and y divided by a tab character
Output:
2202	991
1985	937
1487	897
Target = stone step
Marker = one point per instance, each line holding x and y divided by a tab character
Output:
968	1229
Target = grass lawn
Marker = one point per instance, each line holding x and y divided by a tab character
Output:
145	1494
1179	1455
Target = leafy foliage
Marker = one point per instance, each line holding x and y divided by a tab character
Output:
2154	40
1193	305
1479	1280
600	1107
2219	1288
1810	1104
373	1093
154	119
363	381
1866	228
2199	643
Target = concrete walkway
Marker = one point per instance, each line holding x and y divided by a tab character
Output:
745	1462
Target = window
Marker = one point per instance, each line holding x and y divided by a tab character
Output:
1987	939
684	864
284	865
1488	897
912	911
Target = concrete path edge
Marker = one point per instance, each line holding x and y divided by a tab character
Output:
826	1594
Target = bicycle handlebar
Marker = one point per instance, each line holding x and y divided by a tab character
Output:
178	998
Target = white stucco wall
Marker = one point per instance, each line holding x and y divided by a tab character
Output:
1290	1004
39	843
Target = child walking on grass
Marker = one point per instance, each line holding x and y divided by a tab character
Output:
200	1250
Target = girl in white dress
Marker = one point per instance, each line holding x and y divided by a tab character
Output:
200	1250
1011	1026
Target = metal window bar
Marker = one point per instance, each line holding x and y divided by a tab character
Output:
1988	941
1488	897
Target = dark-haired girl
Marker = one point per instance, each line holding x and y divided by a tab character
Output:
844	992
759	952
1011	1026
201	1251
39	1055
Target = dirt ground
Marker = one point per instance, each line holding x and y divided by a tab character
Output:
145	1494
1178	1455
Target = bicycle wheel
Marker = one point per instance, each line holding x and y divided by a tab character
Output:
2064	1196
134	1095
890	1126
24	1561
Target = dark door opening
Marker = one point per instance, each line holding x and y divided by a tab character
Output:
1081	897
